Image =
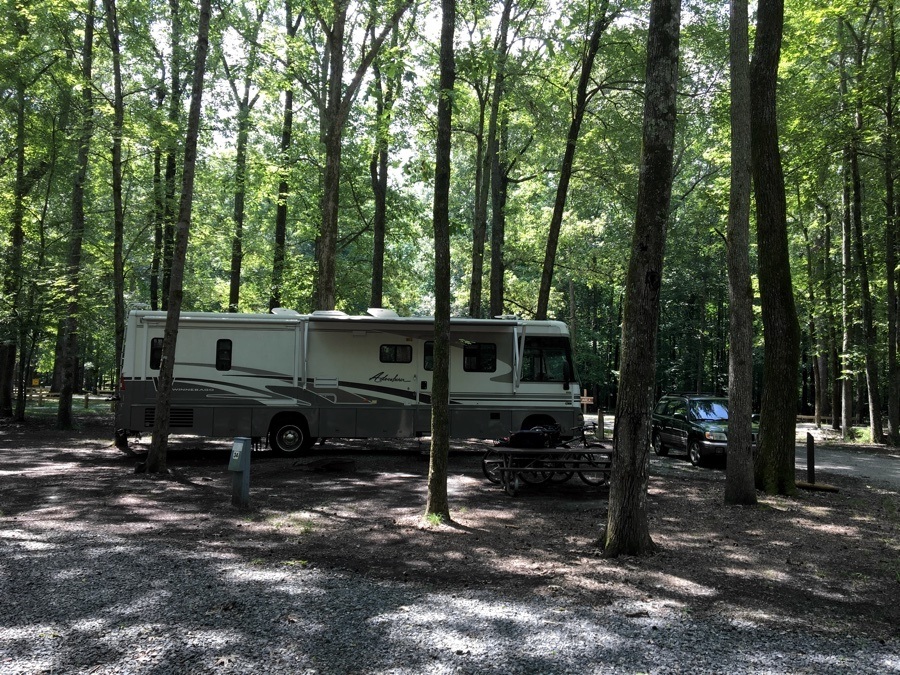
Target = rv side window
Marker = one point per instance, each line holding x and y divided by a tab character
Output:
429	355
155	353
480	357
223	354
396	354
546	359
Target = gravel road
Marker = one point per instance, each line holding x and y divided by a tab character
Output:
79	602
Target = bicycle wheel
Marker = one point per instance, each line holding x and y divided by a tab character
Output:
490	465
535	475
599	466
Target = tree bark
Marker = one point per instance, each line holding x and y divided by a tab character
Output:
171	168
112	29
76	238
156	457
287	126
781	331
628	523
890	238
496	166
582	98
437	502
337	107
479	226
739	484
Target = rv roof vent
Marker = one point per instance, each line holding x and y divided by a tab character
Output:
380	313
284	311
329	314
507	317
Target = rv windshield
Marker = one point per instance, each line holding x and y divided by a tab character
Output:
546	359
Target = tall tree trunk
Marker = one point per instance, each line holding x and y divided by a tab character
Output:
479	226
112	29
814	342
890	237
76	238
437	502
385	93
156	457
245	104
628	524
739	485
281	210
171	169
240	192
496	164
499	194
12	272
833	358
582	98
287	126
781	331
336	111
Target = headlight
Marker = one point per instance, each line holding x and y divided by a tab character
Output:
715	436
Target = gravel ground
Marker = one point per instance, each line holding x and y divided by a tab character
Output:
82	603
105	572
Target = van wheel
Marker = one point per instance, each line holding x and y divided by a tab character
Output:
289	438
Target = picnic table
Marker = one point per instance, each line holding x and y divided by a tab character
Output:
512	467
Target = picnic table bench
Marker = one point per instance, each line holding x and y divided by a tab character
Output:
512	467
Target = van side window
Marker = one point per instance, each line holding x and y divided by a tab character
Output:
480	357
155	353
395	354
223	354
429	355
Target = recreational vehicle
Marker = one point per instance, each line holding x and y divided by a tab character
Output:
291	378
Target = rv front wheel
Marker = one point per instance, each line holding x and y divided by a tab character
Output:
289	438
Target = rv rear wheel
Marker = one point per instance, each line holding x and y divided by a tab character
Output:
289	438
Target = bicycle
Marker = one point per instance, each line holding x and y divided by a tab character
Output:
536	437
592	467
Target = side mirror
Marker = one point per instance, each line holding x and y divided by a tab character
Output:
681	416
567	375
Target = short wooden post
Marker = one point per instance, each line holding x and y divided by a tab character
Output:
810	459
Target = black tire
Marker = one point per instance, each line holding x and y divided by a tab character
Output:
595	461
290	437
535	477
490	464
658	447
694	453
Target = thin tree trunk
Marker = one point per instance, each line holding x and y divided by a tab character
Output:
496	165
336	111
76	238
240	192
385	92
112	28
171	170
582	98
156	457
739	483
479	227
893	369
628	522
287	125
499	194
781	331
437	502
